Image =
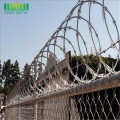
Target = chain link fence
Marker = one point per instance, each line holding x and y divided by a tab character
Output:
98	100
73	77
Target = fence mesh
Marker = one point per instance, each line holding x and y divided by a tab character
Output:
97	101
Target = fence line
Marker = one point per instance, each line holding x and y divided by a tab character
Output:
85	83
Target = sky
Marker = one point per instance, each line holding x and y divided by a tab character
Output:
23	36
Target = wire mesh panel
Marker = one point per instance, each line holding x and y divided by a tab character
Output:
103	104
76	75
12	113
27	112
53	109
100	102
40	111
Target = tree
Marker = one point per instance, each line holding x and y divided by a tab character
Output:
93	62
7	72
10	75
28	76
16	73
25	67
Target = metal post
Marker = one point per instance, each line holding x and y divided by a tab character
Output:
19	109
34	95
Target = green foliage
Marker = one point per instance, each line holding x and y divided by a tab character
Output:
28	76
1	89
7	89
93	62
25	67
10	73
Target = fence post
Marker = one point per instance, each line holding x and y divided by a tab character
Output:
35	110
34	95
19	104
19	112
